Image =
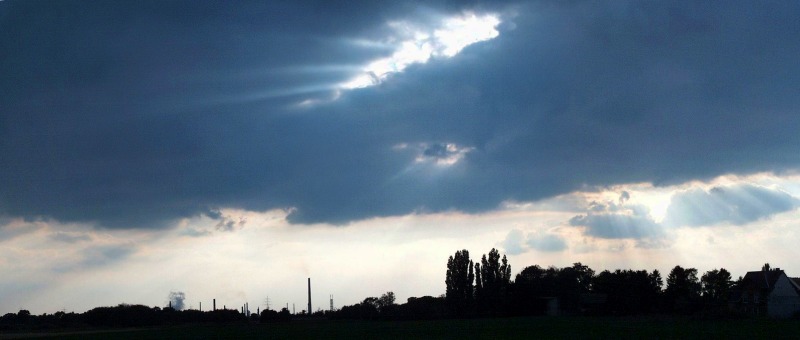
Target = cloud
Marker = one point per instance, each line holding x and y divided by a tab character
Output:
736	204
102	255
417	45
517	243
609	220
546	242
195	232
17	228
624	196
513	243
142	114
228	224
69	237
214	214
443	154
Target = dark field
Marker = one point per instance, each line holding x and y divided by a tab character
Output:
509	328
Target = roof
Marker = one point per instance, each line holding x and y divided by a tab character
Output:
764	280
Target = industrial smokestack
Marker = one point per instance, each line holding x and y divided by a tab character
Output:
309	296
215	304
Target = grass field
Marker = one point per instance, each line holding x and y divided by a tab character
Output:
509	328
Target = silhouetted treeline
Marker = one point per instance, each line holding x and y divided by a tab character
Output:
384	308
481	288
123	315
269	315
24	320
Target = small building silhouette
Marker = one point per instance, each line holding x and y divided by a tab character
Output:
769	292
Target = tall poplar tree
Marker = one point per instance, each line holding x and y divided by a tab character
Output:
494	280
459	278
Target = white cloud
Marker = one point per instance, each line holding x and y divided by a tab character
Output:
516	242
416	44
546	242
618	220
738	204
443	154
513	244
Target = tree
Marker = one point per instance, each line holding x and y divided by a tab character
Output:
459	278
527	291
584	275
424	308
387	299
386	306
269	315
534	287
495	276
683	288
655	280
570	283
478	279
628	291
715	285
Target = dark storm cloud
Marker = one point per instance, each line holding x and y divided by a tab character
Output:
132	115
736	204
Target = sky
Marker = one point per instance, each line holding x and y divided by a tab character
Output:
231	150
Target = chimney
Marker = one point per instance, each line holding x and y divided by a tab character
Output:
309	296
215	304
201	306
170	303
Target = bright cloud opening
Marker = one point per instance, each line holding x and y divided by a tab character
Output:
417	45
441	154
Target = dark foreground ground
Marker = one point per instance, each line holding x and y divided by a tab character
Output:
509	328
